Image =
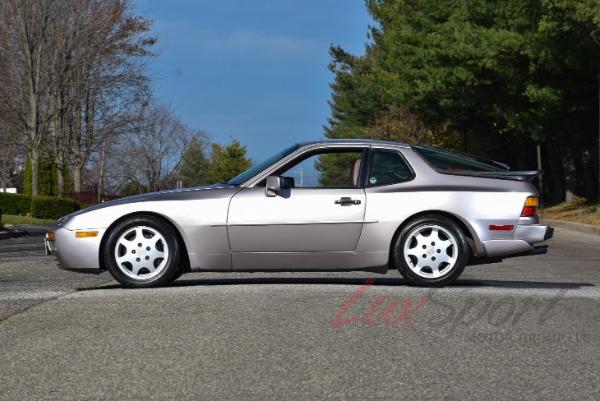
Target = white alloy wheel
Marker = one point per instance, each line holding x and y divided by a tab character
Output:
141	252
431	251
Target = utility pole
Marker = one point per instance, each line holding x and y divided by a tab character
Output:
596	36
538	152
301	171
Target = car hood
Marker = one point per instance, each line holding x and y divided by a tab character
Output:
200	192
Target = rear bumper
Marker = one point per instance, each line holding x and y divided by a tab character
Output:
536	250
522	242
533	233
75	254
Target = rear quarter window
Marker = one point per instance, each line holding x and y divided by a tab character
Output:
387	168
448	162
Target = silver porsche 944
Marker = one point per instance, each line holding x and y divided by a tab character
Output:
325	205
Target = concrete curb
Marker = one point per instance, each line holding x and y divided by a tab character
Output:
22	230
31	229
12	234
583	228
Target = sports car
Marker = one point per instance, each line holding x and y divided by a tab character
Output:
318	206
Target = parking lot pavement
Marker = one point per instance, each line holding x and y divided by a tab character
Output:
28	277
526	328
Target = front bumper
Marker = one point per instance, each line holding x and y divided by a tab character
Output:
522	242
50	246
73	253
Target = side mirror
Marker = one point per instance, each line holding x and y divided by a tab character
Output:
276	183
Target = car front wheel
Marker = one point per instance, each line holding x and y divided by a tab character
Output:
143	251
431	251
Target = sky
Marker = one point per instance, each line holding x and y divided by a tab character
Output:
255	70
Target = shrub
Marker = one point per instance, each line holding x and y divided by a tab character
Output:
18	204
50	207
86	199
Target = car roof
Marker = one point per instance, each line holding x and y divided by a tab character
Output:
354	141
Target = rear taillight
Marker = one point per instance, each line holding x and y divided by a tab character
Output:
530	207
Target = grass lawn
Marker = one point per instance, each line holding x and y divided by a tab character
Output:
12	219
578	211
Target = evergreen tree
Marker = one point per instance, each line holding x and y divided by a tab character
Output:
27	178
48	178
194	165
228	161
479	75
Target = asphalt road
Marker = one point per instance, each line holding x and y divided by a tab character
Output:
528	328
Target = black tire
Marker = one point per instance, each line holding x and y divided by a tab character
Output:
422	222
171	268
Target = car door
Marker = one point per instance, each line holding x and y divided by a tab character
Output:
321	215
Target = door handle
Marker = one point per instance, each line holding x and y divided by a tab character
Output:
347	201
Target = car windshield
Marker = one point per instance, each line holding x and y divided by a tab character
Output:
252	171
448	161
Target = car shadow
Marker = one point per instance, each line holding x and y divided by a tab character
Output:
356	281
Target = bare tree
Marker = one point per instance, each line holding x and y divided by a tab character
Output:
11	156
152	153
24	42
71	72
110	77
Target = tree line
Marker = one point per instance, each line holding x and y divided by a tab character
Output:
76	106
501	79
71	72
197	162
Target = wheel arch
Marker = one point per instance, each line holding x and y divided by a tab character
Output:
472	238
185	259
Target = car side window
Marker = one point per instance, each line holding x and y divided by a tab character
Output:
388	167
338	168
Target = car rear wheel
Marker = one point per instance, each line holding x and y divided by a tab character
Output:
143	251
431	251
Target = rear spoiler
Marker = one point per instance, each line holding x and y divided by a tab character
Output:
505	175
